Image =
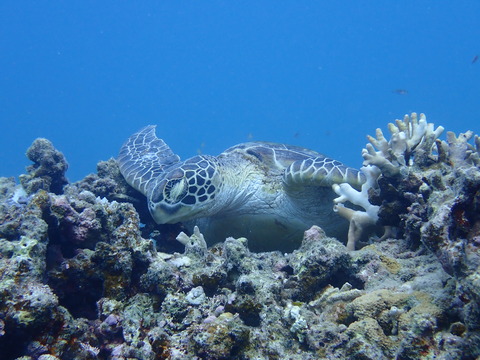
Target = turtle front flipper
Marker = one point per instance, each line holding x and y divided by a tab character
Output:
321	171
144	157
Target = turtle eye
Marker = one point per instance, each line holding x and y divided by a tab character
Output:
175	190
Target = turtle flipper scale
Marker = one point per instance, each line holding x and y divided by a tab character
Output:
144	157
321	171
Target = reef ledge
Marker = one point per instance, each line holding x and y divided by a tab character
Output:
85	273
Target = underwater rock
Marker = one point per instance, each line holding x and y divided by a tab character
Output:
85	273
318	262
220	338
48	169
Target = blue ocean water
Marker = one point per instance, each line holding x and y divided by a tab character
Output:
322	75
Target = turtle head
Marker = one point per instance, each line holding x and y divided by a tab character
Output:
187	191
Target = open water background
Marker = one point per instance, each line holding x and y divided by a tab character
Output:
318	74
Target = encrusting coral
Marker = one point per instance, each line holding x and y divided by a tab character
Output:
86	274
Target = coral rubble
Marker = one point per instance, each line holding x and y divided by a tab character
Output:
86	274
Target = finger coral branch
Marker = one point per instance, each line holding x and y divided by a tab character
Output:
410	135
359	220
459	151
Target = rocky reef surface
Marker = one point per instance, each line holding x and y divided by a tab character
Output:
86	274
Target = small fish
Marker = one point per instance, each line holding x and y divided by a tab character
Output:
400	91
475	58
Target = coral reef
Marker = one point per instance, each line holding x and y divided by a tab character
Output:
429	190
85	273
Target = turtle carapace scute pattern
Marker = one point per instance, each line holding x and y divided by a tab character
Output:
267	192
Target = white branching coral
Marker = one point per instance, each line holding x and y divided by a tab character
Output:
410	138
194	244
458	151
359	220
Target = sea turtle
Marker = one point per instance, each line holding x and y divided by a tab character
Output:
267	192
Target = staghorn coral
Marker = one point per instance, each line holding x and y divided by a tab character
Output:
412	138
